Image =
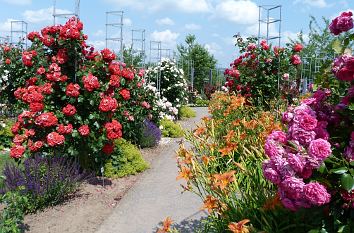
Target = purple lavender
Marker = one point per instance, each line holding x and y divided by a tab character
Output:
151	134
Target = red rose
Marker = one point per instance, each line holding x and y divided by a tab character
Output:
108	148
108	104
27	58
114	68
41	70
114	129
8	61
295	59
29	132
16	127
298	47
17	151
18	139
72	90
35	146
84	130
55	139
47	88
69	110
114	81
62	56
108	55
90	82
47	119
128	74
125	94
36	107
65	129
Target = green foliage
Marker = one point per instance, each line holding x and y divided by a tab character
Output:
13	214
199	102
186	112
125	160
5	133
202	60
171	129
132	59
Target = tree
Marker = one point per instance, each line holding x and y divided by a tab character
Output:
197	56
132	58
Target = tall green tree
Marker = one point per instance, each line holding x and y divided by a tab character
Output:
131	58
192	54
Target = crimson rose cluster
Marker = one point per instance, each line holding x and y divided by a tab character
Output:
76	100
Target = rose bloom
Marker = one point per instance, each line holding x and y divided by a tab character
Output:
128	74
47	119
293	187
36	107
278	136
114	129
90	82
108	104
84	130
273	148
108	148
319	149
316	194
72	90
306	121
298	47
342	23
295	59
47	88
65	129
7	61
114	80
18	139
36	146
55	139
125	94
69	110
17	151
108	55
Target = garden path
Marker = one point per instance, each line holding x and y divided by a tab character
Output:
157	195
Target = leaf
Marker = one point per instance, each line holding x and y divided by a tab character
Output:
351	106
347	181
337	47
322	168
340	170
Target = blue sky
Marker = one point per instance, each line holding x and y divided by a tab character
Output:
214	22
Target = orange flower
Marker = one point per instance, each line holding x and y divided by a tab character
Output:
230	147
250	124
210	203
166	225
221	181
236	122
205	160
239	227
229	136
199	131
185	154
272	203
185	173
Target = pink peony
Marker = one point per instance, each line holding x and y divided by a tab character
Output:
304	137
316	194
306	121
278	136
270	174
319	149
273	148
293	187
296	162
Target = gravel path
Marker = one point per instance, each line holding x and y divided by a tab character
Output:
157	195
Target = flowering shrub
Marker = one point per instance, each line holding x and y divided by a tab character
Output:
312	163
76	99
151	135
172	84
264	73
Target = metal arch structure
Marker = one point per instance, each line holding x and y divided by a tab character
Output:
19	31
4	40
75	13
155	51
138	45
114	30
267	18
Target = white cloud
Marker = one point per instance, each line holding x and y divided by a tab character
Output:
241	12
165	36
312	3
192	26
18	2
165	21
252	30
190	6
97	44
6	26
213	48
127	22
337	14
99	33
42	15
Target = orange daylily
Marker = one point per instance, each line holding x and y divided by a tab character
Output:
228	149
272	203
185	154
239	227
166	225
221	181
210	203
199	131
185	173
229	135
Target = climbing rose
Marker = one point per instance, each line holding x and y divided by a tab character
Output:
108	148
55	139
72	90
316	194
17	151
319	149
108	55
295	59
342	23
65	129
298	47
47	119
90	82
125	94
69	110
108	104
36	107
84	130
114	80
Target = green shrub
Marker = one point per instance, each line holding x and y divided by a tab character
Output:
171	129
126	160
186	112
5	133
201	103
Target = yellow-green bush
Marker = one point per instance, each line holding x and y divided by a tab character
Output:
171	129
125	160
5	133
186	112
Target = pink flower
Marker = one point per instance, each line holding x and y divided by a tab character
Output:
293	187
304	137
296	162
270	174
295	59
273	148
316	194
342	23
278	136
307	122
319	149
